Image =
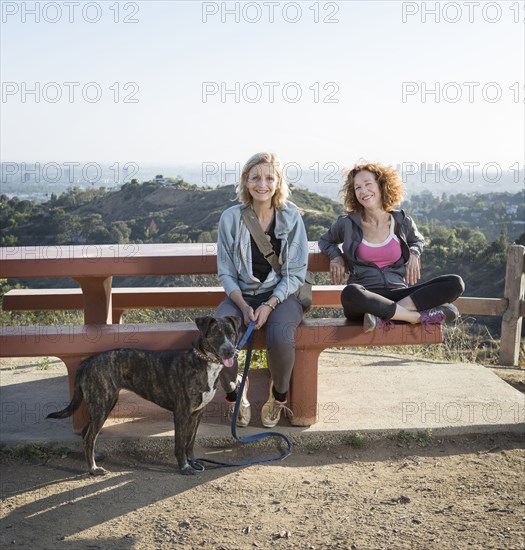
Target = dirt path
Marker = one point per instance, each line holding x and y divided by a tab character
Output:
464	492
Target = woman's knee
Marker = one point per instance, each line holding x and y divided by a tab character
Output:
351	294
226	308
457	285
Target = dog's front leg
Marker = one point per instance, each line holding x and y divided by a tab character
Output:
193	425
181	421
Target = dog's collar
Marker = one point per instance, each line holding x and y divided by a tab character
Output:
204	356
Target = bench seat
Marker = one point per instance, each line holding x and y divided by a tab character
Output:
72	343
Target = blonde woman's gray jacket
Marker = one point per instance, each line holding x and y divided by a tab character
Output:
348	231
234	254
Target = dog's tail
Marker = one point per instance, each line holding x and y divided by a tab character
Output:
78	396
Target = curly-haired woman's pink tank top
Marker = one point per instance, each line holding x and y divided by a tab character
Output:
381	254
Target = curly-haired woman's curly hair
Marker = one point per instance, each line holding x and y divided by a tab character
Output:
389	180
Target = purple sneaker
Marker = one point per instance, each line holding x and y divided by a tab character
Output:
446	313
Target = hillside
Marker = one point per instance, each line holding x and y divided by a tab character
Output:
183	212
148	212
158	213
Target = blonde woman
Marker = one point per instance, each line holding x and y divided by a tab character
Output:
255	292
380	257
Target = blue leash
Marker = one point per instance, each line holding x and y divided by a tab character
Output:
249	337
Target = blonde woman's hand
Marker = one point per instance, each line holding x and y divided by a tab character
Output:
261	316
413	270
338	271
247	314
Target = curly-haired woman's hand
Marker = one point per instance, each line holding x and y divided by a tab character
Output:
338	271
413	270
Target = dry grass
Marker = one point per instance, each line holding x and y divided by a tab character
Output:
466	342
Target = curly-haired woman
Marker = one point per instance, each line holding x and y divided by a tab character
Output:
380	257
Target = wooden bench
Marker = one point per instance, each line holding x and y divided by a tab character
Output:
72	343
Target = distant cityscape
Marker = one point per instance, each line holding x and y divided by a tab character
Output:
37	181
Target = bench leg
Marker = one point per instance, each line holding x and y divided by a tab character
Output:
81	416
97	299
303	387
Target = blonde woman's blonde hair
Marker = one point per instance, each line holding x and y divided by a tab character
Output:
282	191
390	184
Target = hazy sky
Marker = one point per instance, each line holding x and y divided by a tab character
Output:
185	82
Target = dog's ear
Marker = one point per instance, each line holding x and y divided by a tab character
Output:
235	321
203	323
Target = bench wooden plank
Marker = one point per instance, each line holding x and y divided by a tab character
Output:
124	260
43	299
125	298
28	299
481	306
73	340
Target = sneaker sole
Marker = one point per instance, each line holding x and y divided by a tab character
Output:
451	313
270	425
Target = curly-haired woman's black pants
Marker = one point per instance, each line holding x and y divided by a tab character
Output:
357	300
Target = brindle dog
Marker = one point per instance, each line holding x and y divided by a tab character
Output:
181	382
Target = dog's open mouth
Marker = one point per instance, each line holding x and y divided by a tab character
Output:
228	362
